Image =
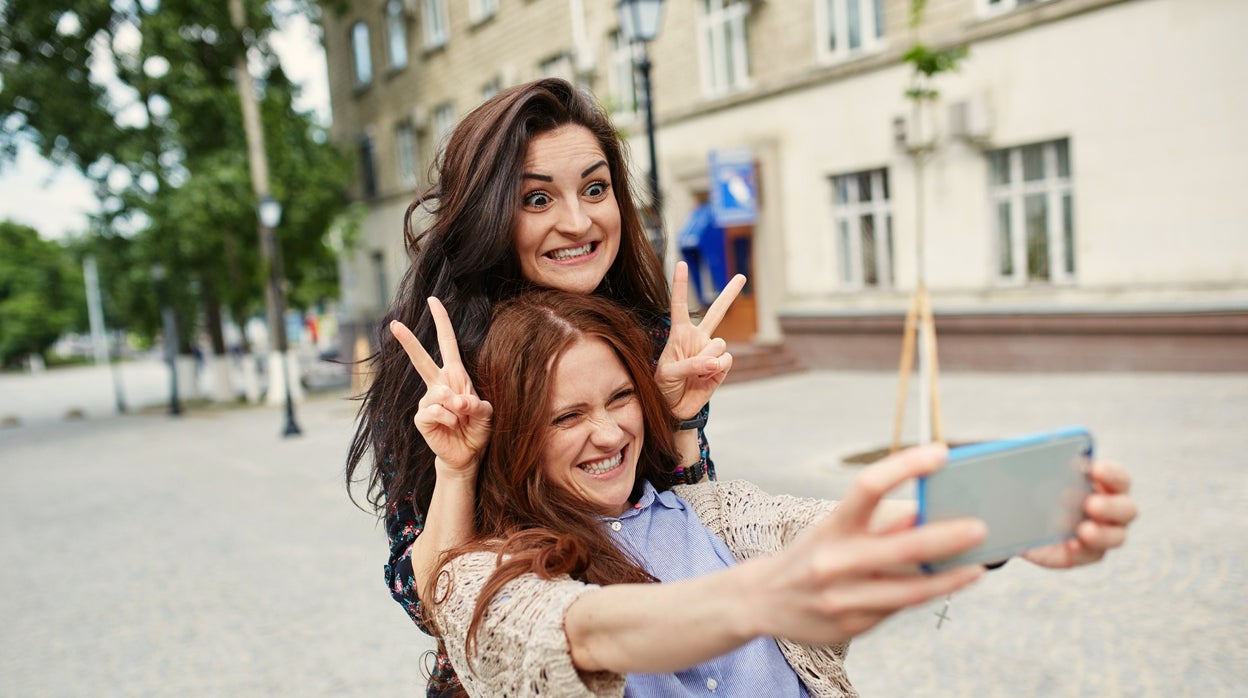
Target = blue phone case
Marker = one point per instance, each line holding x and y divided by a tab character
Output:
1029	490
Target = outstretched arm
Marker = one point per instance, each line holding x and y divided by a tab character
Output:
456	425
837	580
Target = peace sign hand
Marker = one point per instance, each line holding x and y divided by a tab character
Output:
693	364
454	421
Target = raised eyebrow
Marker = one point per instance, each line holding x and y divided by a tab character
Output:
591	168
541	177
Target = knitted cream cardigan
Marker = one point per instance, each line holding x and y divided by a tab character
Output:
521	648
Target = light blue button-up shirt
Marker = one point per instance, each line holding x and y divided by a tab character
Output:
674	545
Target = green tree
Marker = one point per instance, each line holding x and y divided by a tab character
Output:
162	139
41	295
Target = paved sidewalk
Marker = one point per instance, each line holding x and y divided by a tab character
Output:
206	556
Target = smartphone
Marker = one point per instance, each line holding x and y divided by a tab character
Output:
1029	490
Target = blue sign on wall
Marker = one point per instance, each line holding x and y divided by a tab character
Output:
734	189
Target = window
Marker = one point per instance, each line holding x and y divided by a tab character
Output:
405	146
379	273
434	23
559	66
622	77
368	166
443	121
992	7
363	54
396	34
481	10
848	27
721	33
1033	212
863	218
491	88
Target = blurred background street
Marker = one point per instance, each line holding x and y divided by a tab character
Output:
207	556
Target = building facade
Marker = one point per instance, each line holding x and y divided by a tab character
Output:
1077	205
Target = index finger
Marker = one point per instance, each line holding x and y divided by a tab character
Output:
719	308
446	334
420	358
1110	477
854	512
680	294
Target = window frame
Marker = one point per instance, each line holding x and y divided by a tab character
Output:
993	8
491	88
394	16
407	153
361	57
435	24
622	77
481	10
366	150
833	16
558	65
1059	201
847	232
723	46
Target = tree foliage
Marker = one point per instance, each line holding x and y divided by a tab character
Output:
139	96
41	294
928	62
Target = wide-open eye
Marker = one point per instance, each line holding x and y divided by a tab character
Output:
597	190
537	200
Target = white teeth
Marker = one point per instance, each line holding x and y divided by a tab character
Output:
603	466
571	252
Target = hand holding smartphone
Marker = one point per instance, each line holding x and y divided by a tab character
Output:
1028	490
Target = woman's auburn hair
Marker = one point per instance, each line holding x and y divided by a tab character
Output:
466	258
536	525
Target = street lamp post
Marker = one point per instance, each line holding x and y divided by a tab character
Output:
639	23
269	211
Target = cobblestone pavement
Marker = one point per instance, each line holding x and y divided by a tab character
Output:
206	556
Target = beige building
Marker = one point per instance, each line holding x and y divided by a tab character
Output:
1081	203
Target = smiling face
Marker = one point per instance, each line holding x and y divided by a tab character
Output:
567	231
596	428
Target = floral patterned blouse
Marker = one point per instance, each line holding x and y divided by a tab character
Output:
404	524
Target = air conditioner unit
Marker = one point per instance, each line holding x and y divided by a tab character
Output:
969	119
912	139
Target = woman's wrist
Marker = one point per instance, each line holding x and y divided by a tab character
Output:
462	473
697	421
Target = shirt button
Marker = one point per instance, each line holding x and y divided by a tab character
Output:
712	684
616	525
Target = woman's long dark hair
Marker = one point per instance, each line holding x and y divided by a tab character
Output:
466	258
535	525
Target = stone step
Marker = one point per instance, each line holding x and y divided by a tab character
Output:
754	361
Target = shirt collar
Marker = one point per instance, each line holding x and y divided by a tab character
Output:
649	495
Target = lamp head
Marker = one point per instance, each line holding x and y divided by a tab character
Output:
640	19
270	211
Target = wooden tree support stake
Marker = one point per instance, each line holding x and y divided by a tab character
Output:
918	319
